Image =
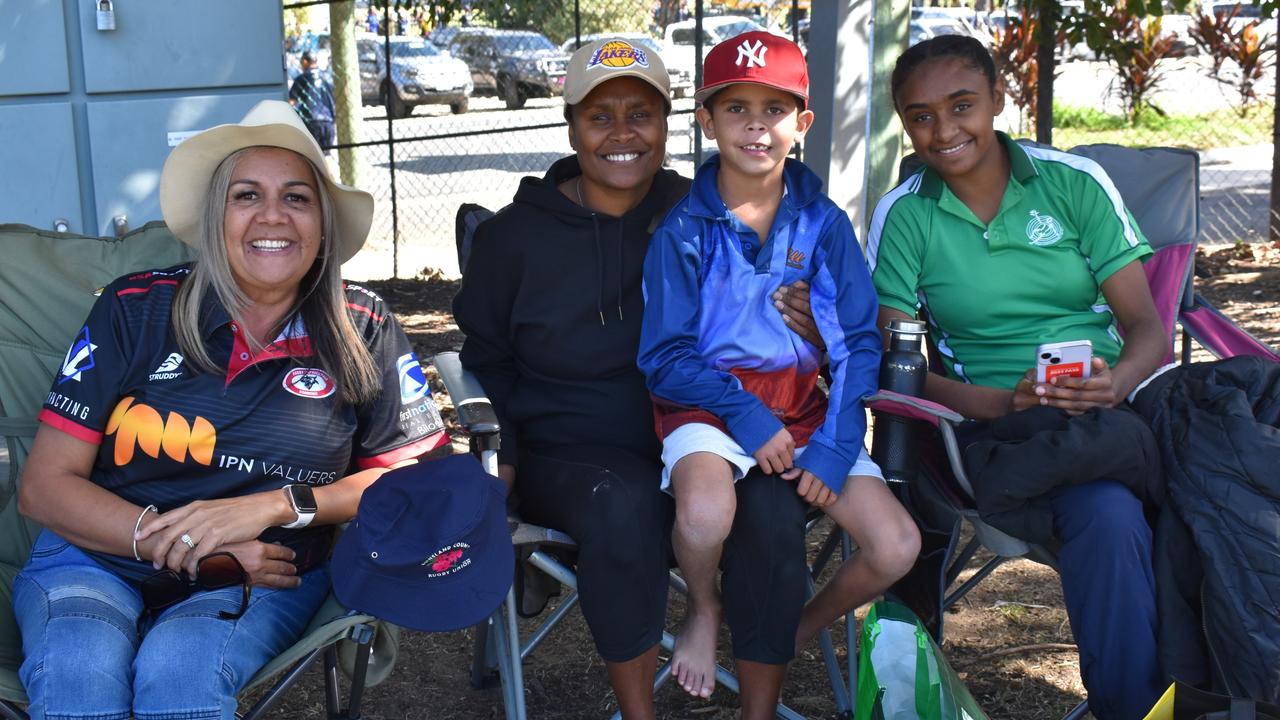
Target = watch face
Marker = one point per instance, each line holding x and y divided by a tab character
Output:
303	498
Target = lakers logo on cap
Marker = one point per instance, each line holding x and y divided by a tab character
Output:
618	54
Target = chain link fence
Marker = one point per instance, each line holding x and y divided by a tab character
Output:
472	101
1204	80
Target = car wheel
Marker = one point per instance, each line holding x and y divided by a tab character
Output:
396	107
459	106
510	91
680	93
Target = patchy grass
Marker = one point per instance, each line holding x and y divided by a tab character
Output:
1222	128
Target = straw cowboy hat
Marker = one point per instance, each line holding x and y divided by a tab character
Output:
184	182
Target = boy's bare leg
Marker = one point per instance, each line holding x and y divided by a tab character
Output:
705	505
888	542
760	685
632	683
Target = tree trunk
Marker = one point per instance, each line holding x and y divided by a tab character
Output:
1045	60
346	87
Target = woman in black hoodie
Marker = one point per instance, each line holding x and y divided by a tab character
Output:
551	306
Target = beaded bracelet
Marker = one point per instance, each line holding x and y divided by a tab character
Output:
138	524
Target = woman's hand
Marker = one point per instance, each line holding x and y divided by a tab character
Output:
210	524
268	564
1075	394
793	302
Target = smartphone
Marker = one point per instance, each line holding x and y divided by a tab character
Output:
1070	359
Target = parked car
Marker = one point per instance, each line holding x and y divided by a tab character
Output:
512	64
921	29
442	36
680	38
1246	13
967	21
421	74
681	79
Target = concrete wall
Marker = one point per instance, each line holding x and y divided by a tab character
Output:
87	116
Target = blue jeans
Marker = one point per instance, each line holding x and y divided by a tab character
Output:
84	657
1109	589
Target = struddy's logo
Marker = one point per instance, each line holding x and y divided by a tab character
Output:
79	359
618	54
168	369
309	383
413	384
753	54
1043	230
448	560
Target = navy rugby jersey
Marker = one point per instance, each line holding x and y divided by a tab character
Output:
168	434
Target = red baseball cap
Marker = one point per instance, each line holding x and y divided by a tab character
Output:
755	57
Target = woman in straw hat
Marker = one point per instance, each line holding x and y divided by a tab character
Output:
194	449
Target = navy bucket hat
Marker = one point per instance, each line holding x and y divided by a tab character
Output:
429	549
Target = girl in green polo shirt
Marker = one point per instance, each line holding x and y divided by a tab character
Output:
1001	248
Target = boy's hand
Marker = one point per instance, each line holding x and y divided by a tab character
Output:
814	491
776	455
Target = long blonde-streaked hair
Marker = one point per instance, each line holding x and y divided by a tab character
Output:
321	304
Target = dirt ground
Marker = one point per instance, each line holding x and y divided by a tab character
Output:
1009	639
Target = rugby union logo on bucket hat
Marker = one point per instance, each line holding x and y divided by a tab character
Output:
430	548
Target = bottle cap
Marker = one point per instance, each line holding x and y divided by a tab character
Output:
907	327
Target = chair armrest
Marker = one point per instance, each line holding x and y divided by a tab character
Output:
940	416
475	412
912	407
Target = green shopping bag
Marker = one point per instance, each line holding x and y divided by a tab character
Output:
902	674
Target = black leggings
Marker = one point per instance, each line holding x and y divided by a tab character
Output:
763	571
607	500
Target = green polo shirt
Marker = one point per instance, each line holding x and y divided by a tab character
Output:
993	292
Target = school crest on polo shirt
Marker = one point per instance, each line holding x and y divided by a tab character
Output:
309	383
1043	230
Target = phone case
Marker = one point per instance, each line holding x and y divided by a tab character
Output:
1070	359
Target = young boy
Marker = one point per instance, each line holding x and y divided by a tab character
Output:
733	386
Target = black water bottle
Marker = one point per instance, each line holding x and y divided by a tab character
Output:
902	370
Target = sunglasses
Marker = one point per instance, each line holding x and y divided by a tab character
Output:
213	572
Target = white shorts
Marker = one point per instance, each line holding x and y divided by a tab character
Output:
700	437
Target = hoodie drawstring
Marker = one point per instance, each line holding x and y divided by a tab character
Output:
595	227
620	235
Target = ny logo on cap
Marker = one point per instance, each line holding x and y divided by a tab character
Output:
753	55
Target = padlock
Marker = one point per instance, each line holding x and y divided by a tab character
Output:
106	15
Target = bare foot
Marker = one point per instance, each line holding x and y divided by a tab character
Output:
693	662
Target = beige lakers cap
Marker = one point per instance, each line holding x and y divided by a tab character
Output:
613	58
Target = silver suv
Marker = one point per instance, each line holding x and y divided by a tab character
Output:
421	74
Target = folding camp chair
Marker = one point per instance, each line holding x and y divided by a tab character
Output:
1160	187
544	550
48	282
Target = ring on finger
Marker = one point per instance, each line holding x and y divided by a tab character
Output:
186	540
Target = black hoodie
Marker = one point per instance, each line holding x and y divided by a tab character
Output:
551	307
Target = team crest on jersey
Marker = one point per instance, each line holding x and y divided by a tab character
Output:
618	54
413	384
1043	230
309	383
79	358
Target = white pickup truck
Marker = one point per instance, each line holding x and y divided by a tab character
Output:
680	39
